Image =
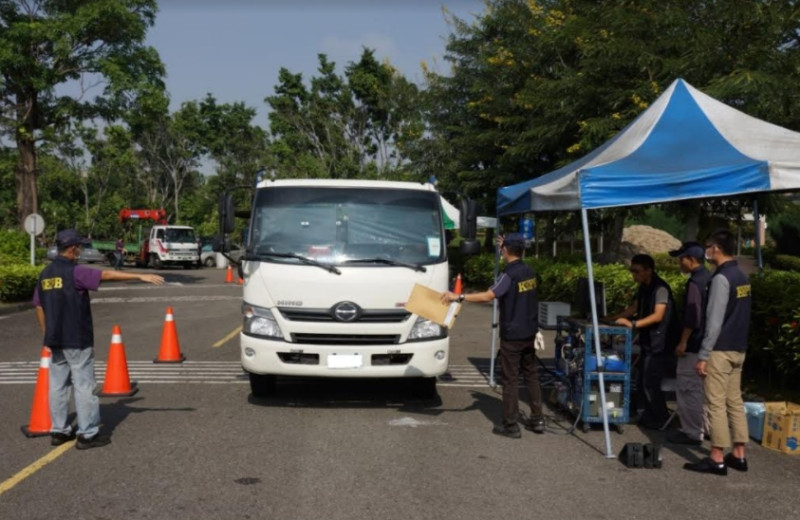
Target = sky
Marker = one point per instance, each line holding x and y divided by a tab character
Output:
234	49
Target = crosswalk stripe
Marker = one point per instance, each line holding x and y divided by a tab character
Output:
214	372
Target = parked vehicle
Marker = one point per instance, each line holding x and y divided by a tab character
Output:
208	257
89	255
169	245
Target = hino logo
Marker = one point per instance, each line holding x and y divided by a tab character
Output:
290	303
346	311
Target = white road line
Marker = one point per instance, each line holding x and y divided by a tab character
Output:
151	299
213	372
126	287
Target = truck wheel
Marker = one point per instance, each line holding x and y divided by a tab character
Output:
425	388
154	262
262	385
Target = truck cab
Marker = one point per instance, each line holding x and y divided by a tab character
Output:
170	245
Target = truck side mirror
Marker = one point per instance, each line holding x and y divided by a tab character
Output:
468	219
470	247
220	244
226	213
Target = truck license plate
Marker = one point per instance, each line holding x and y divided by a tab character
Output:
345	361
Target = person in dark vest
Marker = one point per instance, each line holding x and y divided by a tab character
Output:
515	290
721	357
652	316
64	312
688	384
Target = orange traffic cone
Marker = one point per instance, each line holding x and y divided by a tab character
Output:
458	289
240	280
170	349
229	275
40	422
117	382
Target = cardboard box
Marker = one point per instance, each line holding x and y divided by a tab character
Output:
782	427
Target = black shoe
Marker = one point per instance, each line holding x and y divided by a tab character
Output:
57	439
512	432
707	466
84	443
679	437
735	462
534	424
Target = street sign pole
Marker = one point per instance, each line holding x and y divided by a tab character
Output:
34	225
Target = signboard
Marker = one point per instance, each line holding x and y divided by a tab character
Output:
34	225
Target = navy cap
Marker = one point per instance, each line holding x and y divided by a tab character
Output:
515	240
692	249
70	237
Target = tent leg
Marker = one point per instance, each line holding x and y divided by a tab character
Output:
495	313
596	333
757	230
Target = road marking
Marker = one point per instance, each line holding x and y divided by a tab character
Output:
151	299
131	287
36	466
229	337
217	372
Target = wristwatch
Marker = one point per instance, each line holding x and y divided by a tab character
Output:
461	297
633	324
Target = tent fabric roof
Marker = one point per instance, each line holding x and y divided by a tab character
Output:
686	145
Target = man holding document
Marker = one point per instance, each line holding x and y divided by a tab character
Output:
515	290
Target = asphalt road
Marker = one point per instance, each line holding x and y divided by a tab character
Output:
194	444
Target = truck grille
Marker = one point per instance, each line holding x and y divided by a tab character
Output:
346	339
368	316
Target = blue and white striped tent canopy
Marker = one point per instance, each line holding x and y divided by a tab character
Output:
686	145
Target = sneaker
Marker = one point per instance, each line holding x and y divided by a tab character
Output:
84	443
57	439
735	462
707	466
511	432
534	424
679	437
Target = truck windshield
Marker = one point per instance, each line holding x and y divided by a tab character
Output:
340	225
179	235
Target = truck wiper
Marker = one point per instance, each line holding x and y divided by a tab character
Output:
379	260
257	256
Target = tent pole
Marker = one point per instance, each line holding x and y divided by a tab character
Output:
596	333
495	311
757	230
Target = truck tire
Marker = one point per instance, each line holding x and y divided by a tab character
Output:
425	388
155	262
262	385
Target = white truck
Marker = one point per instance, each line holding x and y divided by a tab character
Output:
328	268
169	245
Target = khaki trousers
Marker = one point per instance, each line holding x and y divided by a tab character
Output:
723	398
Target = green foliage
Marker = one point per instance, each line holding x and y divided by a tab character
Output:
776	298
785	263
785	230
17	282
784	347
14	246
559	279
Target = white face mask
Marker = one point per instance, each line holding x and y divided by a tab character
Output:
708	258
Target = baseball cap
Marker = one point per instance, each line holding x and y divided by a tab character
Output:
692	249
70	237
516	240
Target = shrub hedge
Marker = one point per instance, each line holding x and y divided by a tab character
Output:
17	281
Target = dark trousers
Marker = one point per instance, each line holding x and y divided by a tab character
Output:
512	356
652	368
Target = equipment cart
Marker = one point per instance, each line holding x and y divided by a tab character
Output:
580	370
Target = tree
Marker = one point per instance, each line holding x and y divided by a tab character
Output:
45	44
537	84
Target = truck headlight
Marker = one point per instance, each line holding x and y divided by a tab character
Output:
259	321
426	329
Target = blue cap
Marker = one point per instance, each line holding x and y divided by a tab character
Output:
515	240
70	237
692	249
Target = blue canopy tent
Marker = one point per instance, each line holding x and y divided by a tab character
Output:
686	145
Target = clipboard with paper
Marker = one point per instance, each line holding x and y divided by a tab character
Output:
426	302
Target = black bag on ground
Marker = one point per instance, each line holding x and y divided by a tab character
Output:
632	455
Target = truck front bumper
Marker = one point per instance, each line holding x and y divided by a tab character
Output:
415	359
